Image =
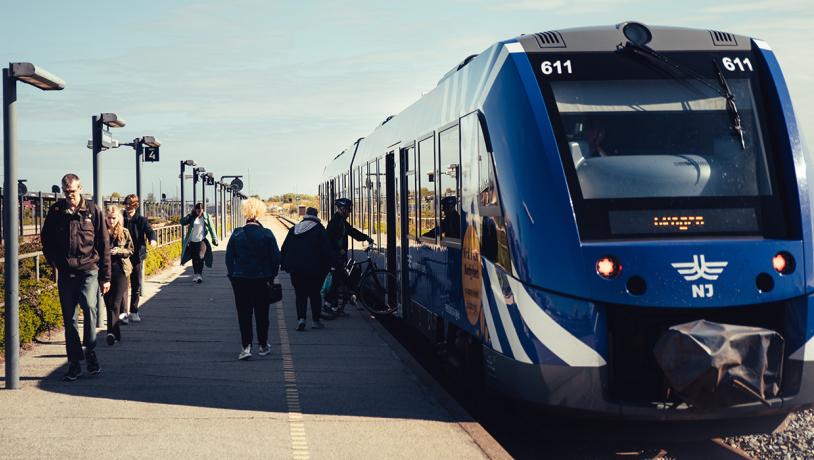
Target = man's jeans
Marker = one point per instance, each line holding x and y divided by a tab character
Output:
78	288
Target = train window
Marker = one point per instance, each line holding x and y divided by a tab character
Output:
449	166
494	242
411	193
357	197
382	203
426	187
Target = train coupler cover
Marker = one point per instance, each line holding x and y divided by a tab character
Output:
713	365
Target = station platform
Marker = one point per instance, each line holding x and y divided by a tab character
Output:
173	387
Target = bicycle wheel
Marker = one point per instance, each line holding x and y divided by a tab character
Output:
379	292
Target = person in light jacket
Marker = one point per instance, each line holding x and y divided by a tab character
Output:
252	262
307	256
196	246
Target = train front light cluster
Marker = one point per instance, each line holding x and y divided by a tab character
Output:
608	267
783	263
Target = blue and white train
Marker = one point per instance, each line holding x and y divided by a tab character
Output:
561	199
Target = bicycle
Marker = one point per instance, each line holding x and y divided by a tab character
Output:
375	288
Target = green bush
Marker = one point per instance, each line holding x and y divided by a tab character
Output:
161	258
39	310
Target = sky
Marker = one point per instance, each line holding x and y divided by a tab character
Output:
273	90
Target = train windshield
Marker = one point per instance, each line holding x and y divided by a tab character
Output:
655	138
657	149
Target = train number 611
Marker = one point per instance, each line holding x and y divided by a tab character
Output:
558	67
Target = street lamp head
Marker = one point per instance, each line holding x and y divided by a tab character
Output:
200	169
111	120
27	72
189	162
106	144
150	141
210	175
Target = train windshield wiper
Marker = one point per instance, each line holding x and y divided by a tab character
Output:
731	107
724	90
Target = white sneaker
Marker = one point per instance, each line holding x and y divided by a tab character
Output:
264	350
199	280
134	317
245	354
195	278
124	318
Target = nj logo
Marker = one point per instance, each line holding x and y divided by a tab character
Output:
700	268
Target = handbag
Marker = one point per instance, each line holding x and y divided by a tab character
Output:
275	292
326	285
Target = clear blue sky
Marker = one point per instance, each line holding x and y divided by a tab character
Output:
274	89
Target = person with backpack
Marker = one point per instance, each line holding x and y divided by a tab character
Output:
307	255
75	242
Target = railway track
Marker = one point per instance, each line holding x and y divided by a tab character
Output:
287	223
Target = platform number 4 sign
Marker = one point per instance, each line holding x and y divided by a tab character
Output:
151	154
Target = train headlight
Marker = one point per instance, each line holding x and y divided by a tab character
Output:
608	267
783	263
637	33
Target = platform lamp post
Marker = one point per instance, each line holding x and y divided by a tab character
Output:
204	177
184	164
98	144
38	77
138	144
196	172
236	183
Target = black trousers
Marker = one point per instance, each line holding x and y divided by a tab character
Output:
251	298
197	252
135	285
307	287
114	301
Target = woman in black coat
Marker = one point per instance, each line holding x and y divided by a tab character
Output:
306	255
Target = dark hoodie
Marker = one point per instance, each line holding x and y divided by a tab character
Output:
306	250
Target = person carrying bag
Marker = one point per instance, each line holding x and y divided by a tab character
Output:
252	262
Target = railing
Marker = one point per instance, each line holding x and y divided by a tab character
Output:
34	206
168	234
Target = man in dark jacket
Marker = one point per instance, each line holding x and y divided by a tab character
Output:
141	232
338	231
307	256
75	242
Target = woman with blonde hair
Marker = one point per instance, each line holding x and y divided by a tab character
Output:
121	248
252	262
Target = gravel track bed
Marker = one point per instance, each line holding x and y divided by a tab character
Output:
795	442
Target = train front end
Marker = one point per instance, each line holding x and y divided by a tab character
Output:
659	225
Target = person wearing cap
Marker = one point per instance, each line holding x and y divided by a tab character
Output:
339	229
306	255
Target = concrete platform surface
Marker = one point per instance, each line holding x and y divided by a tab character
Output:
173	388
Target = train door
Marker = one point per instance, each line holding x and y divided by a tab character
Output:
390	161
406	193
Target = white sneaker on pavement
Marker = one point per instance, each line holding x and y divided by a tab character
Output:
245	354
264	350
124	318
134	317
